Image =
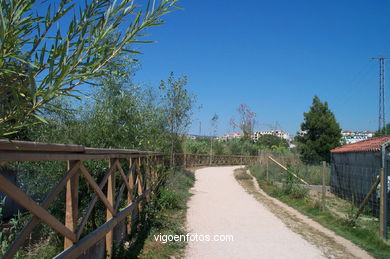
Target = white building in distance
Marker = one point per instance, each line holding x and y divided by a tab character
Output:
350	136
279	133
229	136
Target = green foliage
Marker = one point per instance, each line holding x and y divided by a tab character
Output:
218	148
231	147
271	142
292	188
383	131
177	104
240	147
39	63
363	234
311	173
166	214
7	235
197	146
121	115
168	199
323	133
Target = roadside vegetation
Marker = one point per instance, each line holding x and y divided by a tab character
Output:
76	85
336	216
121	115
165	214
240	146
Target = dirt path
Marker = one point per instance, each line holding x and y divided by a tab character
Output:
220	206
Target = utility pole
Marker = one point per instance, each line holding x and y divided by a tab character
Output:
381	116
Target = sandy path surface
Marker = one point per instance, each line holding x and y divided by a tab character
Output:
220	206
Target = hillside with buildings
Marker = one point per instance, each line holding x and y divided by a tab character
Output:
348	136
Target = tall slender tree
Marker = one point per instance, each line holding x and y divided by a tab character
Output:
247	120
214	124
178	104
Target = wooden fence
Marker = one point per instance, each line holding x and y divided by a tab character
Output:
136	183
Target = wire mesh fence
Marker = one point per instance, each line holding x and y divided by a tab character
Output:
350	191
312	173
353	183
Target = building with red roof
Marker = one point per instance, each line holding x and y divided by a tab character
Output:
369	145
355	167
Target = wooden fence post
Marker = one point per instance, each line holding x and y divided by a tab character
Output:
382	204
266	171
323	184
140	185
130	196
147	177
152	170
72	200
110	198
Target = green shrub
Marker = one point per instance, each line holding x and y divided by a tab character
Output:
292	188
168	199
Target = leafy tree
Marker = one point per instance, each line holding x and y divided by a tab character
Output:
39	63
271	141
177	103
121	115
323	133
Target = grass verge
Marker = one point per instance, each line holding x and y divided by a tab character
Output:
363	234
165	214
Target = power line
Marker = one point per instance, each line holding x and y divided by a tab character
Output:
381	116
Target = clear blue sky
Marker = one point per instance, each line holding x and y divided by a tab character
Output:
274	56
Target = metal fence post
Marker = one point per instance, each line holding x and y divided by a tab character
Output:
384	189
382	225
385	202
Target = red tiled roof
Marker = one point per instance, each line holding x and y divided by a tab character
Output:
372	144
234	134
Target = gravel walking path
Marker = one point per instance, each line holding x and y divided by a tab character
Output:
220	206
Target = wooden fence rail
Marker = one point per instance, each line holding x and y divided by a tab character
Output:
144	169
